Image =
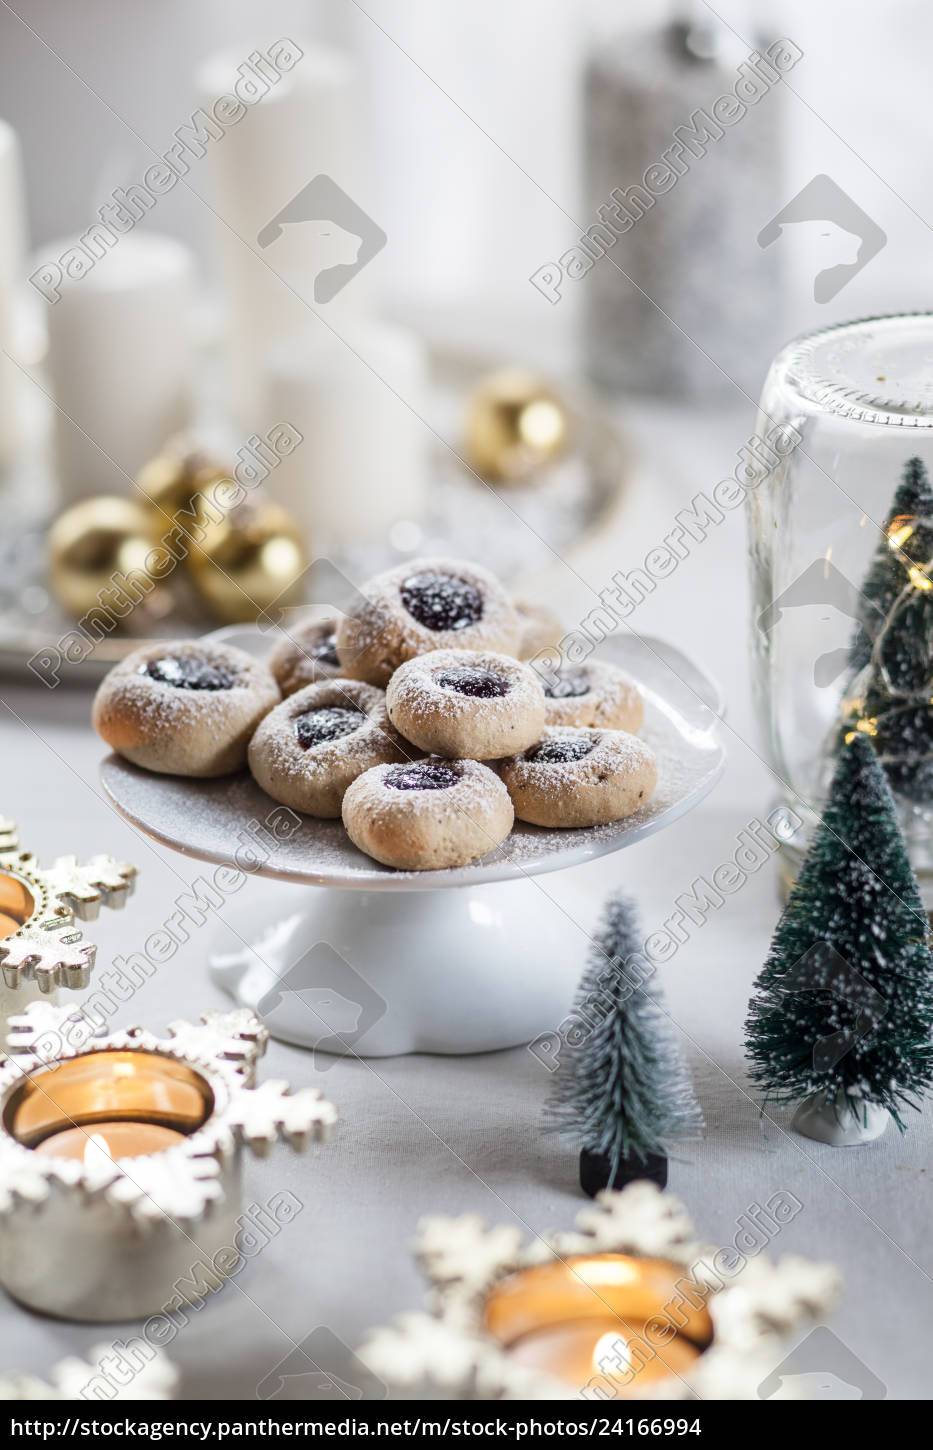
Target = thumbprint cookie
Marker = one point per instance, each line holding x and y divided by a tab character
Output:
594	693
184	708
308	750
424	605
580	777
428	815
306	653
467	704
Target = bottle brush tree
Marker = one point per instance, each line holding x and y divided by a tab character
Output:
621	1086
842	1015
891	696
907	543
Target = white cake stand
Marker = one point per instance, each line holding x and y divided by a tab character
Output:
356	957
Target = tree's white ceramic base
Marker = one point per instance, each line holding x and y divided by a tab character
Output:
842	1122
378	973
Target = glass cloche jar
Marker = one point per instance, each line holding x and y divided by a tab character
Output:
841	547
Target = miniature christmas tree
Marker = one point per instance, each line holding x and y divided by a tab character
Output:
622	1086
890	697
843	1012
907	543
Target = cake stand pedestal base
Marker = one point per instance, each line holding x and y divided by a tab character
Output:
377	973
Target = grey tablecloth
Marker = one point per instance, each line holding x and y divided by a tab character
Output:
428	1134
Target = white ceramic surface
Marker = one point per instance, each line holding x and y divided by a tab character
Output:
843	1122
377	973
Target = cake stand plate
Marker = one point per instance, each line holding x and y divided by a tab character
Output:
377	962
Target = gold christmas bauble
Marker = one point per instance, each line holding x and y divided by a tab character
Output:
100	553
172	480
247	560
515	425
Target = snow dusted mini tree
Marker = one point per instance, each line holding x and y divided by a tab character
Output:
622	1086
842	1015
907	543
889	698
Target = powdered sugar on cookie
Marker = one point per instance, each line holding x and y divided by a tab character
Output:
467	704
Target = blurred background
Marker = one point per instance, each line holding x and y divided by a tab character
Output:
472	119
366	242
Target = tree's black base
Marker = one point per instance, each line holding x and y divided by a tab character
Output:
596	1171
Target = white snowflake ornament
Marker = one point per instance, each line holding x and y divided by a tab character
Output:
118	1378
451	1351
260	1116
463	1251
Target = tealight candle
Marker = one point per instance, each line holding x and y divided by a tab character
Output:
591	1316
17	904
133	1102
606	1347
115	1140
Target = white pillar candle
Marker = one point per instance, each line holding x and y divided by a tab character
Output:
286	193
12	273
359	404
119	360
462	219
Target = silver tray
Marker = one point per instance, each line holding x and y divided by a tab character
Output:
514	530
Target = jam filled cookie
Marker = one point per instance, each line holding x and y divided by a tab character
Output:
306	654
184	708
425	605
540	630
594	694
428	815
580	777
466	704
309	749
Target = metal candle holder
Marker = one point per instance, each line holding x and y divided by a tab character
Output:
95	1237
481	1296
41	949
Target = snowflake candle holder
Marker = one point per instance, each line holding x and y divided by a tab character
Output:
120	1159
41	949
84	1379
629	1306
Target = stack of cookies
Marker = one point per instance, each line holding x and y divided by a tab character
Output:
417	719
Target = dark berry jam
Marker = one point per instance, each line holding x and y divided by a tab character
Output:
422	775
561	751
441	601
331	722
568	686
188	674
325	651
481	684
